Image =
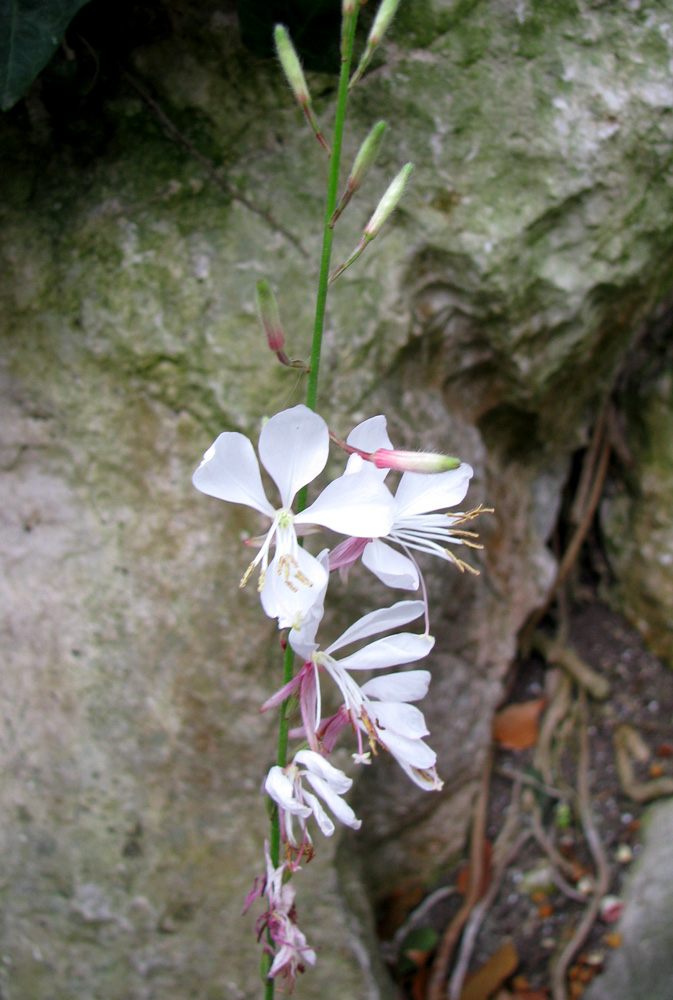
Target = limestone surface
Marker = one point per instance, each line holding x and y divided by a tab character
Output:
491	319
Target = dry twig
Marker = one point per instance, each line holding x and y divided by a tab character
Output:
629	744
564	958
561	655
440	965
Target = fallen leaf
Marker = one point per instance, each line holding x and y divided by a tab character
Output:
516	726
482	984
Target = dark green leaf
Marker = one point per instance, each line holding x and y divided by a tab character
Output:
30	31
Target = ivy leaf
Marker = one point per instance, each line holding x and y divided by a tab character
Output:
30	31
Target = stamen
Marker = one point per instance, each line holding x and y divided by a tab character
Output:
469	515
371	733
288	566
462	566
246	575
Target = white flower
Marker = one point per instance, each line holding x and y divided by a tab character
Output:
293	448
285	787
416	525
405	723
399	726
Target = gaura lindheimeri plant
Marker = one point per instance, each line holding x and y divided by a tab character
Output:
372	701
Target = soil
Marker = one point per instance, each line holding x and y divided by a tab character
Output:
530	911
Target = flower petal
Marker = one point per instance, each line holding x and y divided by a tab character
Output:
338	807
302	634
415	753
391	651
316	764
398	717
281	790
425	778
379	621
322	819
357	505
229	471
408	685
370	435
419	493
292	584
293	448
392	567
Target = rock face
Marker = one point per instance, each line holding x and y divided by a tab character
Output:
491	319
635	513
642	966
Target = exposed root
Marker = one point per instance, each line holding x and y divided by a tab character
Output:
629	745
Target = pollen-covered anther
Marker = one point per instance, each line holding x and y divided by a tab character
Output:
372	734
289	569
284	567
467	538
246	577
470	515
462	566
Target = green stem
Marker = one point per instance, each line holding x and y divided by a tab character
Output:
332	191
312	386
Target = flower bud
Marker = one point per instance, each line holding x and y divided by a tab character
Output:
389	201
366	156
384	16
267	308
360	168
289	60
413	461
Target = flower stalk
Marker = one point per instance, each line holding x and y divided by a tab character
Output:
383	530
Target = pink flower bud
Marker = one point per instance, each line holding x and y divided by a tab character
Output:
269	316
413	461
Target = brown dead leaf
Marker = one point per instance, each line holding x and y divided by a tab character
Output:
516	726
482	984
